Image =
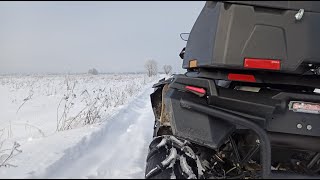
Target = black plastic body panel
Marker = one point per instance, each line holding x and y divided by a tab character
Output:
196	127
226	33
311	6
270	110
182	80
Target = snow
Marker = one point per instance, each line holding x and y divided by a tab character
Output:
113	146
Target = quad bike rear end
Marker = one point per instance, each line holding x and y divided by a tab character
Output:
271	36
249	104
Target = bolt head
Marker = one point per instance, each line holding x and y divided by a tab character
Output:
299	126
309	127
317	71
299	15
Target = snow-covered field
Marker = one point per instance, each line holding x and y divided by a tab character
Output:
75	126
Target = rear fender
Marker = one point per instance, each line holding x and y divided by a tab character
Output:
196	127
162	122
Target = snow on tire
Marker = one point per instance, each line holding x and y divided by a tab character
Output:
169	158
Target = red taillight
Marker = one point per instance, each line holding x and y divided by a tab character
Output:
197	90
262	63
241	77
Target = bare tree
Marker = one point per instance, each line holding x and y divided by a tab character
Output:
151	67
93	71
167	69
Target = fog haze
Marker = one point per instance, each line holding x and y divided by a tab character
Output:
60	37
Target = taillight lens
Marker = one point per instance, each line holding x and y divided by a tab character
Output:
262	63
241	77
199	91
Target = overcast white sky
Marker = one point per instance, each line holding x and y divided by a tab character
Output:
37	37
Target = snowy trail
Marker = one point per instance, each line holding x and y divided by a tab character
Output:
118	150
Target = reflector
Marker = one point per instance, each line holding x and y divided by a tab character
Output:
262	63
241	77
199	91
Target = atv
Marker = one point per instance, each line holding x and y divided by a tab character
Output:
248	105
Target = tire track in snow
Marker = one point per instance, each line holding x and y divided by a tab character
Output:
118	150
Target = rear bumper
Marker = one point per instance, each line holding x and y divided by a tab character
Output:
267	108
265	145
211	119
